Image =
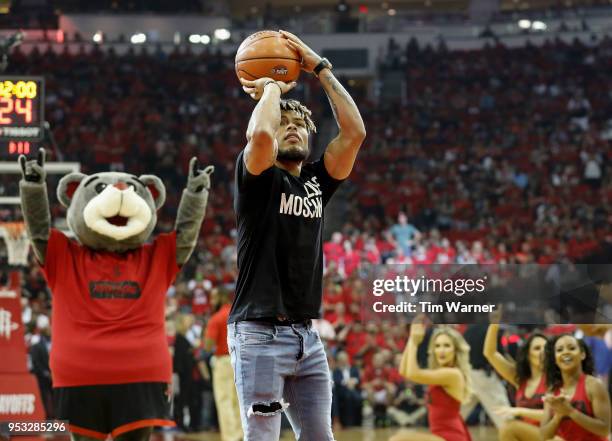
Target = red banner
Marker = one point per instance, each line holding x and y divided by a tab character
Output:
12	340
20	399
19	393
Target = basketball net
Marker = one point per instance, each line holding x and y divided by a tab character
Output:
17	242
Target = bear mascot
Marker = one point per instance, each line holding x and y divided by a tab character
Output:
110	362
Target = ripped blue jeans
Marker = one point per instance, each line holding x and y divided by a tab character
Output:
276	369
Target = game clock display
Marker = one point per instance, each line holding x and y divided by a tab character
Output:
21	112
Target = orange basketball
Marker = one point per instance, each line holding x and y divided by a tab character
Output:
267	54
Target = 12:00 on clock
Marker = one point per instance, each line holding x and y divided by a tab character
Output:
18	89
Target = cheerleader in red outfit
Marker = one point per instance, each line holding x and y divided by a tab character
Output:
449	378
577	407
526	374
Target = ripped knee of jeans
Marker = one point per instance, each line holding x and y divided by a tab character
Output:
267	408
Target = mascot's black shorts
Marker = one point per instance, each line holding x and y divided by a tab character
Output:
97	411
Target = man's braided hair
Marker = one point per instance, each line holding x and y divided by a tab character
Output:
302	110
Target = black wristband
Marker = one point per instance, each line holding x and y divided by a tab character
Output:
324	63
272	81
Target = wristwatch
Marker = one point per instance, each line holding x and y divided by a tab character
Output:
324	63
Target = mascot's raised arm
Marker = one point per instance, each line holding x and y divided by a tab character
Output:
110	362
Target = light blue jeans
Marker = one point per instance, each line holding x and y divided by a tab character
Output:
276	369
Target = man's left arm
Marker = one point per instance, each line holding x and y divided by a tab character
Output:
342	150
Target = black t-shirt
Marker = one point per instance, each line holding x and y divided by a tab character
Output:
280	241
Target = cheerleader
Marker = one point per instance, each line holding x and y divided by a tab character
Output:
577	405
448	377
526	374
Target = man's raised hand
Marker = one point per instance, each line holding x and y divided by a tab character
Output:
310	59
255	88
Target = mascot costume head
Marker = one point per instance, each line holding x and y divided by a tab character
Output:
111	211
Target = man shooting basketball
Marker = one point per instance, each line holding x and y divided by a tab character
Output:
278	358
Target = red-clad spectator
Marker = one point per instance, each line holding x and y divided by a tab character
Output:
200	292
372	253
332	294
351	258
333	250
355	339
339	316
379	388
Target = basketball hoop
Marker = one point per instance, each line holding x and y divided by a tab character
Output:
17	243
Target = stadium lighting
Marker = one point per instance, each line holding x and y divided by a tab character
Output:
98	37
195	39
538	26
204	39
222	34
138	38
524	24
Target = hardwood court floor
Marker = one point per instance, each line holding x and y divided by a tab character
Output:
478	434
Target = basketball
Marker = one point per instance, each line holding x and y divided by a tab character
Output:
267	54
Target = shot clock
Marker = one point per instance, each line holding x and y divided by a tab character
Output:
21	113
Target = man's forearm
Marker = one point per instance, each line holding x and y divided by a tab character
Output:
266	115
344	108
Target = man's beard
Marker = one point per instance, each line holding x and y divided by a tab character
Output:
292	154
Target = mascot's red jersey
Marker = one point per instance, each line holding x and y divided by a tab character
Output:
108	322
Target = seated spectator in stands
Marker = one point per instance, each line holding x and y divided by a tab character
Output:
408	407
579	109
351	338
184	364
380	391
347	391
333	250
339	317
351	259
39	354
372	252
